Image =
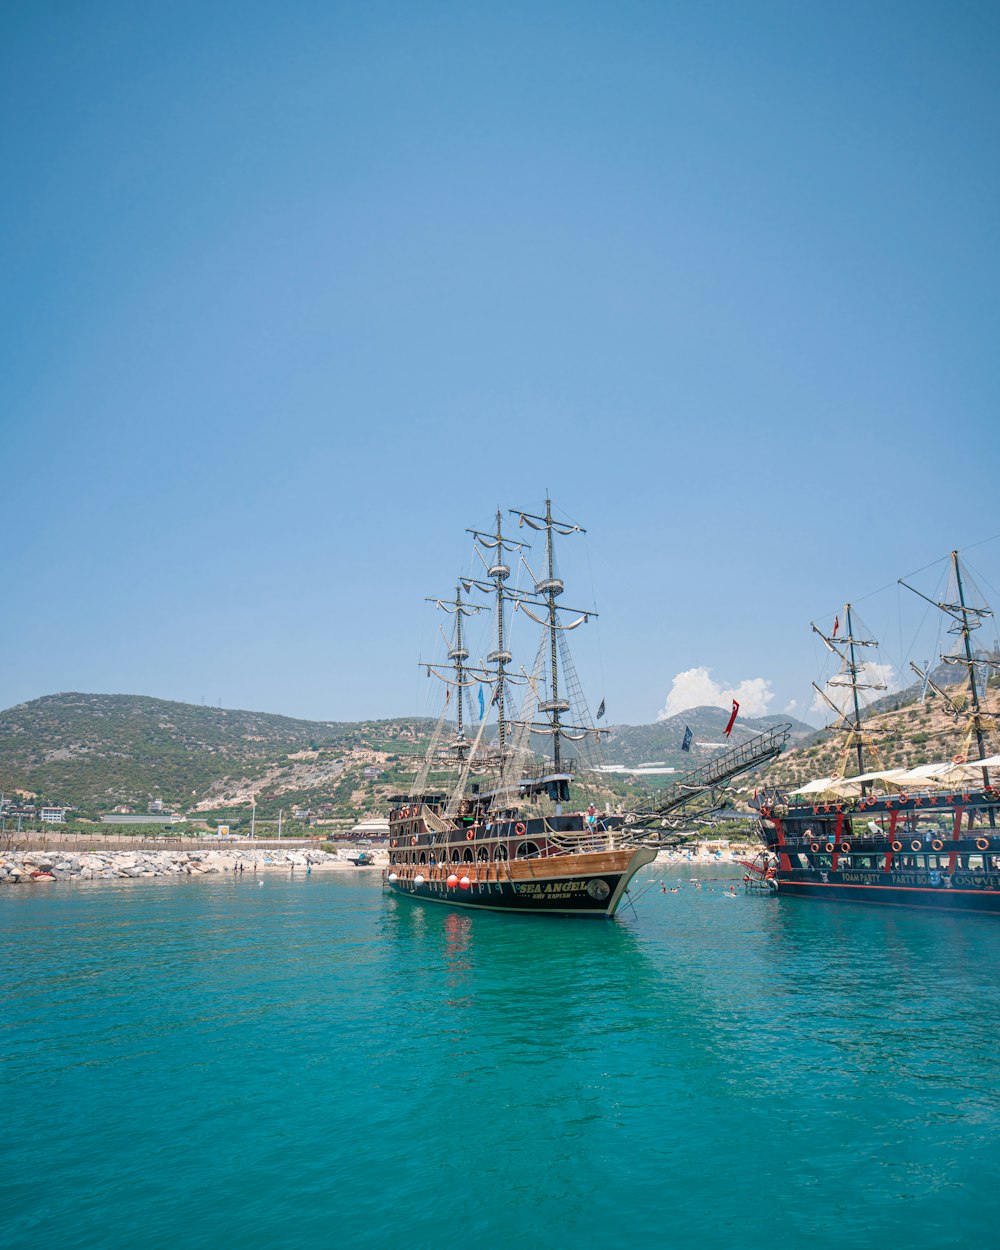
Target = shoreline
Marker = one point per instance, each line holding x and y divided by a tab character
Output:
42	867
29	867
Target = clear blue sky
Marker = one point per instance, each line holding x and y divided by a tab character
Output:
293	294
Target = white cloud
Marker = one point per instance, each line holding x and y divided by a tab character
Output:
791	705
842	696
696	687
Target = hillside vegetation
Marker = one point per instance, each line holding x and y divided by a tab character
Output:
661	743
94	752
908	733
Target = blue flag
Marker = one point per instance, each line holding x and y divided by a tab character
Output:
482	704
688	735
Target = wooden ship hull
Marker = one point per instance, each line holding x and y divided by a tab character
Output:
555	866
939	851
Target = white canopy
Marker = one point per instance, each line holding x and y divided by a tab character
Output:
848	785
851	786
816	787
946	773
933	776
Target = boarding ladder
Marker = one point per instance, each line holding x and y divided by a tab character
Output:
704	780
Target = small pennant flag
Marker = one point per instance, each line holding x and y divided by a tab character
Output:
688	735
600	710
836	625
482	704
732	718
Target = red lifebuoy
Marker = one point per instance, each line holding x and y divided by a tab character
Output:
845	848
413	840
519	829
982	844
830	846
916	845
470	835
902	798
897	845
815	846
937	845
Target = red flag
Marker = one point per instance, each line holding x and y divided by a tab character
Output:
732	718
836	625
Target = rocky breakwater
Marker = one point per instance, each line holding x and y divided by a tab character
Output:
18	867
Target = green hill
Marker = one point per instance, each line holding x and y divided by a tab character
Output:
660	743
93	752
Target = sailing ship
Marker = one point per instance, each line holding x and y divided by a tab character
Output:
921	837
501	837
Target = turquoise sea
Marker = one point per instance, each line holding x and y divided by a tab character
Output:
310	1063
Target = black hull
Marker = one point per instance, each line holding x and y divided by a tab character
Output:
929	898
595	894
933	851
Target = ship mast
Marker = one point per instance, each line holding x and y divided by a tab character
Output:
498	570
850	673
458	654
966	618
547	590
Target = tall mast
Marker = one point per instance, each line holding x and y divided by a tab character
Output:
966	618
552	587
548	588
501	657
498	571
459	655
854	690
850	674
970	664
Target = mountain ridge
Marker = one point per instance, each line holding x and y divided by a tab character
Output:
97	751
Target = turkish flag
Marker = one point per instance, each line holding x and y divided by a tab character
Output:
732	717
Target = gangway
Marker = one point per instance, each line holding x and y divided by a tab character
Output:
737	760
